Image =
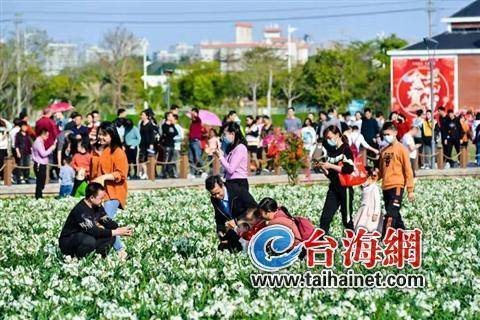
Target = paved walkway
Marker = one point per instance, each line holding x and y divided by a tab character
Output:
133	185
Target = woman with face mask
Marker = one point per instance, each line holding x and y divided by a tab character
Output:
339	160
235	161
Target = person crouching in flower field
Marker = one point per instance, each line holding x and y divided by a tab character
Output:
230	201
248	225
275	215
369	215
395	171
88	228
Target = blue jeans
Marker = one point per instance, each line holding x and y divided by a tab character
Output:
195	156
111	207
65	190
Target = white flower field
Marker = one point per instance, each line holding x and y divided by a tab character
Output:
175	270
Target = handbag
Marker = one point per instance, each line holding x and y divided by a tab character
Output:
357	177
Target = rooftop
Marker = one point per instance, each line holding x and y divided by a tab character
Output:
472	10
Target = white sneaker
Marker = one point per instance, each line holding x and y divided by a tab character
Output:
190	176
204	175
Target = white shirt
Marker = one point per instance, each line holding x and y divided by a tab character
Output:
309	137
251	140
408	142
13	134
358	123
178	138
358	140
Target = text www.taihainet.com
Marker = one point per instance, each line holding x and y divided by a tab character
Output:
329	280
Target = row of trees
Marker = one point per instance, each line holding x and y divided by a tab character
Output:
331	78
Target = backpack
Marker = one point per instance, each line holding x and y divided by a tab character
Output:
304	225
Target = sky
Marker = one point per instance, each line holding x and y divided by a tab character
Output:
164	23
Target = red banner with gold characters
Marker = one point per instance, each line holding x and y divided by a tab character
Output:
411	84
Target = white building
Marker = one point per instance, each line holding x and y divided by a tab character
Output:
59	57
230	53
94	54
165	56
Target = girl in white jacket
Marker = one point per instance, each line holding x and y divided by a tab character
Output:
369	215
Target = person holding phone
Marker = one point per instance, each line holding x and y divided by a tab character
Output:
40	155
88	228
235	161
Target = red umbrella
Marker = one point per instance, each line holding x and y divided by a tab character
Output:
60	107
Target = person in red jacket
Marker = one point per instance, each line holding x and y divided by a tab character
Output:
47	123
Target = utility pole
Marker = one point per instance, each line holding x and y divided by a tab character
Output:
290	30
18	62
145	65
430	11
431	45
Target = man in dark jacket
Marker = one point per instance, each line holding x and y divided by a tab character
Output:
370	132
88	228
229	202
452	136
169	132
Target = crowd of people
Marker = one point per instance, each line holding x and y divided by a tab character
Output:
94	160
238	216
57	140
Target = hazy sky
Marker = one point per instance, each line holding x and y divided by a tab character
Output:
165	23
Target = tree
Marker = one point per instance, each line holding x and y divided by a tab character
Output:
257	65
290	84
378	91
30	53
201	85
326	84
122	44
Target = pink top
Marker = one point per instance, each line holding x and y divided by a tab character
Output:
281	218
39	153
236	163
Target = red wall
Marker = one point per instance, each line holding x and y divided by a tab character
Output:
469	82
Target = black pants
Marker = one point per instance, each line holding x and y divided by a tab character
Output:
41	176
168	170
337	196
3	155
233	244
54	170
132	159
80	244
412	164
447	151
242	183
23	161
393	203
371	155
